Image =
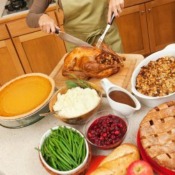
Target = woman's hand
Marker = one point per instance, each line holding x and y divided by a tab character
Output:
115	6
47	24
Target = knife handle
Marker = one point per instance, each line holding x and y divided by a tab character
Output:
57	31
112	18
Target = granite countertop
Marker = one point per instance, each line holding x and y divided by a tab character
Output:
18	155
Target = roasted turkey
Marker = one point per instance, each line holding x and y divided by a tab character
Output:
86	62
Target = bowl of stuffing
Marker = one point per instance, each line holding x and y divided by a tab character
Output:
153	80
76	101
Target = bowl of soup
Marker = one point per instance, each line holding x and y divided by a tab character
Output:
23	98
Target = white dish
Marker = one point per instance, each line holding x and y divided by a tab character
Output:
123	108
148	100
79	169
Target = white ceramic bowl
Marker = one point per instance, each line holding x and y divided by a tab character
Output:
148	100
80	169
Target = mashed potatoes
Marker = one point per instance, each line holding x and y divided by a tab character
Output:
76	102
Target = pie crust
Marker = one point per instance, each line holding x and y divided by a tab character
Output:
157	134
25	95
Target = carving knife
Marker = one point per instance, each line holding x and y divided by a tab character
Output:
69	38
100	40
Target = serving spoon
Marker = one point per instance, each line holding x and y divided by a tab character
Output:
48	113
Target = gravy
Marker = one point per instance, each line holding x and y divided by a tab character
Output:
121	97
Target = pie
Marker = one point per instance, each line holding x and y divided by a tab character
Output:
25	94
157	135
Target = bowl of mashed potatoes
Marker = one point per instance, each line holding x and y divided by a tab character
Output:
76	105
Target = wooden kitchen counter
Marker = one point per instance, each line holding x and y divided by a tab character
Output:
122	78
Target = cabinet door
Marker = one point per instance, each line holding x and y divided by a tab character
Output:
132	26
10	66
161	23
39	52
3	32
134	2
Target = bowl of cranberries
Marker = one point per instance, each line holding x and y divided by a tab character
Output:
106	129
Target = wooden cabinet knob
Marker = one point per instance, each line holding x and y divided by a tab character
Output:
149	10
142	12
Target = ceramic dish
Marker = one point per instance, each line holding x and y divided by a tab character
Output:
80	119
56	152
148	100
23	98
120	99
106	129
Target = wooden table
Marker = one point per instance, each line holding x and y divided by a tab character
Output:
122	78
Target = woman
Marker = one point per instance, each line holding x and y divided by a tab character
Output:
85	19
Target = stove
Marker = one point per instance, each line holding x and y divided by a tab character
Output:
13	6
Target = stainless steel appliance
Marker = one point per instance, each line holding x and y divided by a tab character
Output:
13	6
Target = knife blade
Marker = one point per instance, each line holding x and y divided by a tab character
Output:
69	38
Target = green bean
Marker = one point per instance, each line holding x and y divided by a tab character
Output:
53	163
60	158
64	149
57	155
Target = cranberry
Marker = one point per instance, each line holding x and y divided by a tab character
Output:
107	131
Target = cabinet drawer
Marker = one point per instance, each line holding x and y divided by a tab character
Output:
3	32
19	27
129	3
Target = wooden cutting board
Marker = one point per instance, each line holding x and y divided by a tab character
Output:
122	78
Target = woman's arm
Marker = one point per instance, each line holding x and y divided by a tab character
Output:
37	18
115	6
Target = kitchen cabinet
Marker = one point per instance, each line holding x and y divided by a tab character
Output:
147	27
10	66
25	50
132	26
161	25
38	51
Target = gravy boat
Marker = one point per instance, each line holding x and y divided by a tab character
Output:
126	103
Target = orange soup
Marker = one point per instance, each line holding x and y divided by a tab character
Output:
23	95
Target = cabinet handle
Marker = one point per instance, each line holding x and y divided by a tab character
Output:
149	10
142	12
